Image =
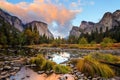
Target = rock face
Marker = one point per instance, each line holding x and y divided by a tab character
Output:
17	23
109	20
41	27
87	27
75	31
14	21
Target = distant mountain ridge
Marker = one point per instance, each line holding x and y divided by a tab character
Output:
17	23
108	21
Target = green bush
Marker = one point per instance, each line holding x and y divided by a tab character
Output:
83	41
107	42
103	44
92	42
48	65
61	69
39	61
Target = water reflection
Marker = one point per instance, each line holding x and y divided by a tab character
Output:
60	57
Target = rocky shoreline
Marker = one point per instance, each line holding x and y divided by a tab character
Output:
10	66
54	49
13	65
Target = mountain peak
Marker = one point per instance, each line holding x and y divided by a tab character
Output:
13	20
108	20
17	23
41	27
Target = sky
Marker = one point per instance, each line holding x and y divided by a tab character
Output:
60	15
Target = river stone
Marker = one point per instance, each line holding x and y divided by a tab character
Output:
47	72
1	69
16	68
40	72
7	62
33	65
7	67
94	79
7	79
3	73
12	73
12	63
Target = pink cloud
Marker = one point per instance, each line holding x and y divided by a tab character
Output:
47	12
41	10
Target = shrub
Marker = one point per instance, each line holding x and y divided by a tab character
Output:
107	42
83	41
105	57
39	61
91	67
43	64
48	65
61	69
103	44
92	42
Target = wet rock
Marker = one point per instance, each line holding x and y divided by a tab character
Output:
76	78
82	75
71	65
89	77
12	63
33	65
62	78
12	73
7	67
85	78
7	79
7	62
1	69
78	73
51	71
40	72
16	68
3	77
17	65
94	79
3	73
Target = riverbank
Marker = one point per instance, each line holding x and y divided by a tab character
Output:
11	65
112	46
15	68
49	49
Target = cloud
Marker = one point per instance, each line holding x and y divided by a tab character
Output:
41	10
74	4
39	1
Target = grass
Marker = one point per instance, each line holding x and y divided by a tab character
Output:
106	57
91	67
78	46
39	61
61	69
47	65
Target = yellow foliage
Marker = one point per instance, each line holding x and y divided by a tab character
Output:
91	67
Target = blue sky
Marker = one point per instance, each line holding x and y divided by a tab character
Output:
88	10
